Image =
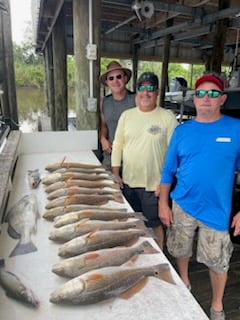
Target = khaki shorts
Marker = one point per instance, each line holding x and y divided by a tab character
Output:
214	248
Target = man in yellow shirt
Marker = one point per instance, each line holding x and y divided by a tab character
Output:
140	143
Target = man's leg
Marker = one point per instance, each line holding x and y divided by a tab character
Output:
218	283
160	236
182	264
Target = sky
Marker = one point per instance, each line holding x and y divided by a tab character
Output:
20	14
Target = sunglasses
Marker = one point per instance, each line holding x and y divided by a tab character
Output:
210	93
149	88
118	76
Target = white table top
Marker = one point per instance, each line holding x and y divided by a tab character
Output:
157	300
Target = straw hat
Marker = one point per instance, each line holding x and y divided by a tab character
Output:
114	65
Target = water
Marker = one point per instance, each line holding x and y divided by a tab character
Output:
31	104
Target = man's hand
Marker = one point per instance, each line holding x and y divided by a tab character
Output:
236	224
106	145
165	214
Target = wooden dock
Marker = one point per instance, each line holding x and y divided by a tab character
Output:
201	289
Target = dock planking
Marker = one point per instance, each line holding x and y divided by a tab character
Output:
201	289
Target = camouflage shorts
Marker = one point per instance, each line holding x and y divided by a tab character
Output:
214	248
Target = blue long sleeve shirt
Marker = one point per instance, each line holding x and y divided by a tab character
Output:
204	157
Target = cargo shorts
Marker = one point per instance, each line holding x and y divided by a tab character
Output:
214	248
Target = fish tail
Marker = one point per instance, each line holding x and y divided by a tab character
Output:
114	186
162	271
147	247
118	198
139	215
23	248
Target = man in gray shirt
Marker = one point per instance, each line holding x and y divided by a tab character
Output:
115	77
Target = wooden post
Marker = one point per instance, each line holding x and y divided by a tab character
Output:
9	99
85	120
219	40
60	73
49	82
135	66
164	74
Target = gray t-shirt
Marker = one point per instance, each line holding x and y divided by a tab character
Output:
112	109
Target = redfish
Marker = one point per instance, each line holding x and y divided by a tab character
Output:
95	214
106	283
82	183
58	165
81	227
101	239
75	266
79	190
55	177
59	211
90	199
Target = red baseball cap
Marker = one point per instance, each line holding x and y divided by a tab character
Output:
210	78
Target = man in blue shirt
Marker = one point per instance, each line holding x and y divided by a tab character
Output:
203	154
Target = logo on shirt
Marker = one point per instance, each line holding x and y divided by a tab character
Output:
223	139
154	129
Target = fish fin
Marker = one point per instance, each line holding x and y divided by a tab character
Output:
118	198
12	233
63	160
23	249
134	289
92	233
92	255
69	200
83	221
148	248
163	272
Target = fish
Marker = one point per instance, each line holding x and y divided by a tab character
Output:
22	223
55	177
73	230
81	183
90	199
59	211
79	190
75	266
108	283
33	178
14	288
95	214
100	239
83	170
64	164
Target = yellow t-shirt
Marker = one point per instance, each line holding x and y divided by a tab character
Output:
140	142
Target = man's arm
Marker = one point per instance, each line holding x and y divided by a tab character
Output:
164	211
106	145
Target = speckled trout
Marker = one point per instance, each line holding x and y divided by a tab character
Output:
90	199
101	239
81	183
84	226
107	283
95	214
59	211
75	266
15	288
